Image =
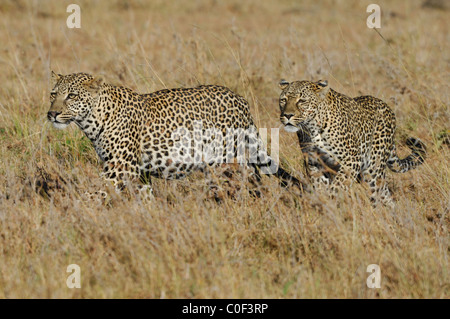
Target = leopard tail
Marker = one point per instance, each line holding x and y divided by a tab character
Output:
416	158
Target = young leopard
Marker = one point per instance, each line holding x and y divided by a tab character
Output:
345	139
166	134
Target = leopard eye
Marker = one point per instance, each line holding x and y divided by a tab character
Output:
301	101
52	95
283	101
72	96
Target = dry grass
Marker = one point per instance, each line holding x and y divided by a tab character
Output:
185	245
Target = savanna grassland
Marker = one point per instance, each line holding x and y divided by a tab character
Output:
184	244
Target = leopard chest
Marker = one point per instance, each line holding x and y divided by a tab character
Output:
320	152
323	149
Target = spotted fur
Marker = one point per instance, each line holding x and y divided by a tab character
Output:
345	139
139	136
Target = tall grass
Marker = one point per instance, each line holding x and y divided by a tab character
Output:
184	244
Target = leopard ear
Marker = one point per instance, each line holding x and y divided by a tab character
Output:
94	84
54	79
283	84
323	88
322	83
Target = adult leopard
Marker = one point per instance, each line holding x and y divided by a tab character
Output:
345	138
166	134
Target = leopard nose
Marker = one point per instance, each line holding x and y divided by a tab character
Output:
288	116
53	114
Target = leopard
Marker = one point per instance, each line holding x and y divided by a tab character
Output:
166	134
344	139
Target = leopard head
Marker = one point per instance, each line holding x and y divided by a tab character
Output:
72	97
299	101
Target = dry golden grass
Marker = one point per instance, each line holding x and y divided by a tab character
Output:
184	244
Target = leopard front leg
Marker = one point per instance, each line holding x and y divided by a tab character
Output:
346	175
318	178
317	171
126	177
